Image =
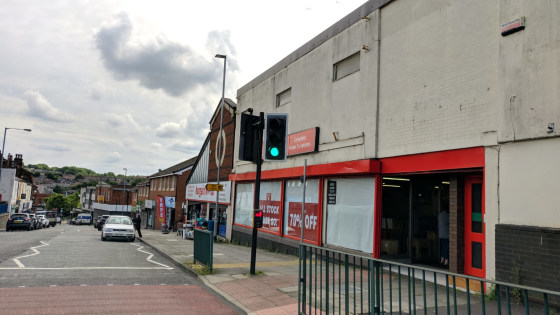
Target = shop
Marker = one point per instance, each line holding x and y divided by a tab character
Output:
339	205
201	204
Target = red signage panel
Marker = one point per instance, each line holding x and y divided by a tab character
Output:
303	141
271	215
161	209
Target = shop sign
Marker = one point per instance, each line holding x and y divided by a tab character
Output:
149	204
198	192
311	220
170	202
331	192
214	187
303	141
161	209
271	214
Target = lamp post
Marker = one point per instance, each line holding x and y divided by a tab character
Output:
219	159
124	188
3	143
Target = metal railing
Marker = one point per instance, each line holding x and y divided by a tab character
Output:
334	282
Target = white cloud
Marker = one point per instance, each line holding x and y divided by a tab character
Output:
123	121
112	157
171	129
40	107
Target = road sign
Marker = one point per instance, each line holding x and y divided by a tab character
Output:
214	187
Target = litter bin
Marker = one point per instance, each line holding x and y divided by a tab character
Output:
210	225
164	229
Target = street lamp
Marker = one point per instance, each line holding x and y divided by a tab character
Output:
3	143
220	141
124	188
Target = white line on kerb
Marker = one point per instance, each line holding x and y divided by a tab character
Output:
87	268
36	252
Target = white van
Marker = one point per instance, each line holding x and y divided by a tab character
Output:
83	218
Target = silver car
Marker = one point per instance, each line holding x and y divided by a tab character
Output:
118	227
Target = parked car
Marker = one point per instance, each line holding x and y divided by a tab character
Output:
96	221
44	221
58	220
19	221
72	221
50	215
118	227
34	222
83	218
102	221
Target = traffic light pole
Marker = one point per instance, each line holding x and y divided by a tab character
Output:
257	192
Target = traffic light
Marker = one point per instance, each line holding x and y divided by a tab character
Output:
275	137
248	138
258	219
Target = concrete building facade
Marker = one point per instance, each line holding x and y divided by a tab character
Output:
418	108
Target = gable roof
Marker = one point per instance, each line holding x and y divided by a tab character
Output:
175	168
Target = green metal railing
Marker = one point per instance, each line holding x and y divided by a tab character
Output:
203	247
334	282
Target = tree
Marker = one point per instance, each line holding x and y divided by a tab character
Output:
57	189
72	201
79	176
56	201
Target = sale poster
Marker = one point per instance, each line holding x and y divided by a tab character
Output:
310	222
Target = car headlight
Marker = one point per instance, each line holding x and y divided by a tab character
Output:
108	230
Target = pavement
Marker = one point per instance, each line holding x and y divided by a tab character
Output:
272	290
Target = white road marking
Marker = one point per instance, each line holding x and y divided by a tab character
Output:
36	252
150	256
88	268
83	285
52	285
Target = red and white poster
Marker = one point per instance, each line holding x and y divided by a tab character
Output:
161	208
271	215
310	222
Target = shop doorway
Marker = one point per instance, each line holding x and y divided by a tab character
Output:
410	209
474	227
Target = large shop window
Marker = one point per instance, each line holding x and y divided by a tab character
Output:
270	202
244	204
292	209
350	213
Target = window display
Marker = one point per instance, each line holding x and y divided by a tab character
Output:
292	209
350	213
244	204
270	203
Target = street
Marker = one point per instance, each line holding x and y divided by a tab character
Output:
68	269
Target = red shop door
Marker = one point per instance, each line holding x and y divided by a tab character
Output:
475	259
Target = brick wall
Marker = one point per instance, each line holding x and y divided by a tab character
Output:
533	251
456	225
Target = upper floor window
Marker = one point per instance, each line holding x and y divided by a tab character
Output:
284	97
346	66
173	183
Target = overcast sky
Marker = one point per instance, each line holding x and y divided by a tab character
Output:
109	84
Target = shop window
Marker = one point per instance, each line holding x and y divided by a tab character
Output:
292	209
346	67
270	203
173	183
244	204
284	97
350	213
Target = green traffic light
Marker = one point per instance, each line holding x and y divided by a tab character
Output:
274	151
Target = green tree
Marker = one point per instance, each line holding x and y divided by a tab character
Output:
56	201
72	201
79	176
36	174
57	189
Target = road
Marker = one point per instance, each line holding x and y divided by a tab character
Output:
69	270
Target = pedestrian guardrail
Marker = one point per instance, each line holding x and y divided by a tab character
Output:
334	282
203	247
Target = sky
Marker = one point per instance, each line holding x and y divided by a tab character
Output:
111	84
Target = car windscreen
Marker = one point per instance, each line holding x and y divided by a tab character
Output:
126	221
18	216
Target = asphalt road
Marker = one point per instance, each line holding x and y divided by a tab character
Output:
69	270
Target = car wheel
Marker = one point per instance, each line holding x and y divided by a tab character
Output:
29	228
133	239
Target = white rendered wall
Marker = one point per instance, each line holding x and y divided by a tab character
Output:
529	184
439	66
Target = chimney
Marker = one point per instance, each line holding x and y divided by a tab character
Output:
10	161
18	161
